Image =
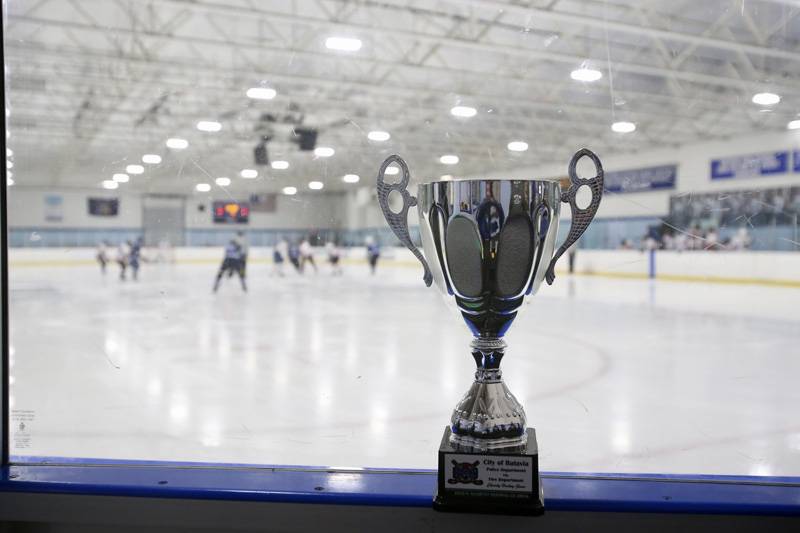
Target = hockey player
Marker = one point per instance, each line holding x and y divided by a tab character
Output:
232	263
373	253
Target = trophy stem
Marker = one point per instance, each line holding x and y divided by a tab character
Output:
488	352
488	418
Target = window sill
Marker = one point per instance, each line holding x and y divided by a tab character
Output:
650	493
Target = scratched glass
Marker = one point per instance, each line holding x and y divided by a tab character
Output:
200	270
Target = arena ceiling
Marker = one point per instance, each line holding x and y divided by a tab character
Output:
96	84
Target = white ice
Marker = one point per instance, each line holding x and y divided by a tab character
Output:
615	375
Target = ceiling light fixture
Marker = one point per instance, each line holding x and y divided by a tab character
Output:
151	159
177	144
9	181
793	125
463	111
351	178
110	184
209	125
766	98
120	178
248	173
261	93
324	151
517	146
222	182
202	187
623	127
134	169
343	44
289	191
448	159
586	74
315	185
280	165
378	136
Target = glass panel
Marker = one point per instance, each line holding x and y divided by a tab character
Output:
200	269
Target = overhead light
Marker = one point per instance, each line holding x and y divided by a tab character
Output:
378	136
281	165
9	152
793	125
392	170
289	191
517	146
222	182
463	111
177	144
9	181
248	173
209	125
351	178
446	177
151	159
261	93
120	178
586	74
110	184
202	187
344	44
134	169
448	159
623	127
316	185
9	164
766	98
9	173
324	151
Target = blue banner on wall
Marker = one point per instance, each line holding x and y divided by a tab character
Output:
641	179
751	166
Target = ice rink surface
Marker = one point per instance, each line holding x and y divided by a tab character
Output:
616	375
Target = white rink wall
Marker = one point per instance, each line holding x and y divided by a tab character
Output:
742	267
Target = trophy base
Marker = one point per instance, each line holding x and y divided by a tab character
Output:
495	482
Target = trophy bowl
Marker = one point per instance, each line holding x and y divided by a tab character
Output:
488	244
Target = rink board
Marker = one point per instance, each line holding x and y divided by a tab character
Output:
764	268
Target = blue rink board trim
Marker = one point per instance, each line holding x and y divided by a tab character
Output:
653	493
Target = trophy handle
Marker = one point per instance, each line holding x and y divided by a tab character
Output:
399	221
580	217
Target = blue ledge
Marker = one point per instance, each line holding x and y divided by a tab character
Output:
653	493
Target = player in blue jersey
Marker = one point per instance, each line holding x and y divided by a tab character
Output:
134	258
294	257
232	263
373	253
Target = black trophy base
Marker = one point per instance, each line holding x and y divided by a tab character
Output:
489	482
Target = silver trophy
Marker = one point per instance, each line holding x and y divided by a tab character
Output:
488	244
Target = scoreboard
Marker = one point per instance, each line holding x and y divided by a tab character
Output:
228	212
103	207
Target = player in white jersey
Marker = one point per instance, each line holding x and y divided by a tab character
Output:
334	255
307	255
123	255
102	255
